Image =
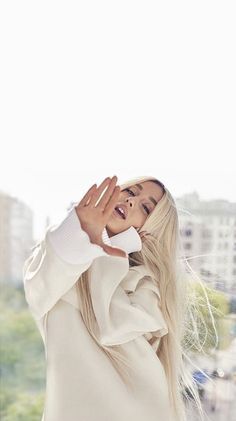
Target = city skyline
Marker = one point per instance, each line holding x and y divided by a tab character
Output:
56	212
207	228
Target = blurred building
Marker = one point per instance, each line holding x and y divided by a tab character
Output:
208	233
16	238
208	238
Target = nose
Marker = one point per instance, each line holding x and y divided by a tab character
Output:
130	202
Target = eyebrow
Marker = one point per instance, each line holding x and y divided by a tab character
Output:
150	197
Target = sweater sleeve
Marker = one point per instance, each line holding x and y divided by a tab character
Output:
57	262
123	316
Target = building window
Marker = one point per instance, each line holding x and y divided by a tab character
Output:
206	234
206	246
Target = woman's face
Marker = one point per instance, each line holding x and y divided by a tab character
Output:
137	201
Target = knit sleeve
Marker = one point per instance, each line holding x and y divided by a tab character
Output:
123	316
57	262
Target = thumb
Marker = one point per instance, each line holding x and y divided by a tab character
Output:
114	251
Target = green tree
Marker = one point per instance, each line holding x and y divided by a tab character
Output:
204	322
22	359
25	408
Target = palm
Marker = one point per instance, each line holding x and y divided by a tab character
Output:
95	211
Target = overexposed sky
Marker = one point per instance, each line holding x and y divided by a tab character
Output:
97	88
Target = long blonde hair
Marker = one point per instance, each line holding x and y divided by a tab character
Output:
161	255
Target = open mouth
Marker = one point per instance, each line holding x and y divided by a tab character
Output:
119	211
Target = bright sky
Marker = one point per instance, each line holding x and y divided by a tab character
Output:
100	88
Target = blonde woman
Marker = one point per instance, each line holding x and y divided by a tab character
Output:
104	289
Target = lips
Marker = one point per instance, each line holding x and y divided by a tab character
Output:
123	207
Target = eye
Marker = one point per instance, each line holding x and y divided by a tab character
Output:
129	191
145	207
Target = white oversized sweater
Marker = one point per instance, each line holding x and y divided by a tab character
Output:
81	382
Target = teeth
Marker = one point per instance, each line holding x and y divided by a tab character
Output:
121	211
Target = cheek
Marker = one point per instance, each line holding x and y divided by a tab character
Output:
122	196
138	218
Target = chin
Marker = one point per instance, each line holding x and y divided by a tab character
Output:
113	229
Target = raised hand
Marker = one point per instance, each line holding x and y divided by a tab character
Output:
94	212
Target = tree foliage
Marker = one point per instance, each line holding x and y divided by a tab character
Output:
206	309
22	360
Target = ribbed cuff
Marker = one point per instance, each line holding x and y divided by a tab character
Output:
72	243
106	238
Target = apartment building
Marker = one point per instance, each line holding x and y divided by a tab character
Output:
208	238
16	237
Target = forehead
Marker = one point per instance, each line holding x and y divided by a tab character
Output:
151	189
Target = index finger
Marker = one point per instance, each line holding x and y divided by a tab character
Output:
112	202
87	196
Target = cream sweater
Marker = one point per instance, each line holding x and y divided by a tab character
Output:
81	382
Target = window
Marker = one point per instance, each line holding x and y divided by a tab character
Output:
206	233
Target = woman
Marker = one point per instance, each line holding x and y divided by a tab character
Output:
103	287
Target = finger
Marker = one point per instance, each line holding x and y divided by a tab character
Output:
95	196
142	233
112	202
87	195
108	193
